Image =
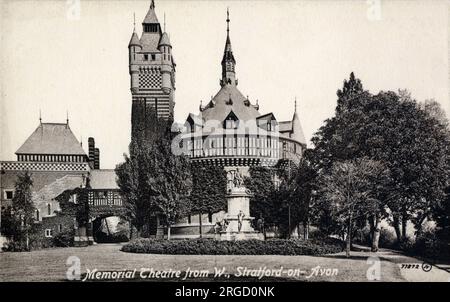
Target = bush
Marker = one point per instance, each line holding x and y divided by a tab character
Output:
244	247
388	239
428	245
64	239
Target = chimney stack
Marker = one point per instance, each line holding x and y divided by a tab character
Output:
91	144
97	158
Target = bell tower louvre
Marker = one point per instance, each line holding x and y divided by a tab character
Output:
152	74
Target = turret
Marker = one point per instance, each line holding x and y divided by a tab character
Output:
166	69
134	47
297	130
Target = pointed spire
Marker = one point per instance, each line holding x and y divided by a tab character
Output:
228	22
134	41
228	61
228	41
295	108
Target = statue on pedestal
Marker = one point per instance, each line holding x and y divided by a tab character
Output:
236	225
238	180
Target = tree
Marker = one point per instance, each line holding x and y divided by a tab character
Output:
263	202
303	187
350	191
135	173
22	210
407	137
169	183
132	178
209	185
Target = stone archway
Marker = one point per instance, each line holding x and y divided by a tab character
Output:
110	229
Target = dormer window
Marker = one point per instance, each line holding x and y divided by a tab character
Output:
146	57
153	57
231	121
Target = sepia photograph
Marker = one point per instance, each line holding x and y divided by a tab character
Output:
224	147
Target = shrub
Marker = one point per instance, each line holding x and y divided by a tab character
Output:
245	247
64	239
388	239
428	245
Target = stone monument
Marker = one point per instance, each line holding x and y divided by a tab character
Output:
236	224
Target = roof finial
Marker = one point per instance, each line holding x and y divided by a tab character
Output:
40	116
81	141
228	21
295	109
67	118
164	21
134	21
152	5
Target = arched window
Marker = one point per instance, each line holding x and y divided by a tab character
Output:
49	209
37	215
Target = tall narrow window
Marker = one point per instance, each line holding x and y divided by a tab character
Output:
49	209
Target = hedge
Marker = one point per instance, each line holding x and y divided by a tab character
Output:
244	247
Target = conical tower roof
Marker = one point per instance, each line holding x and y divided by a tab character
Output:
134	41
297	130
164	40
151	18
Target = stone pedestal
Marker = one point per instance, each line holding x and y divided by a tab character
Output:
239	200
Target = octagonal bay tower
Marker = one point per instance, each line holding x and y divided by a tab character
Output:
230	132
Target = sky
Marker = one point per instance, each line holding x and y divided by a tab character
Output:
71	56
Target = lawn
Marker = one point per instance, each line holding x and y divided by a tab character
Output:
50	264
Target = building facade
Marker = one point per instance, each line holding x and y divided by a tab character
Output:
152	73
230	132
58	163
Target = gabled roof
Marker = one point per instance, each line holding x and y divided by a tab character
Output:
267	117
103	179
52	138
194	119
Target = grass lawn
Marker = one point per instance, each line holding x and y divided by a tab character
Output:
50	264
